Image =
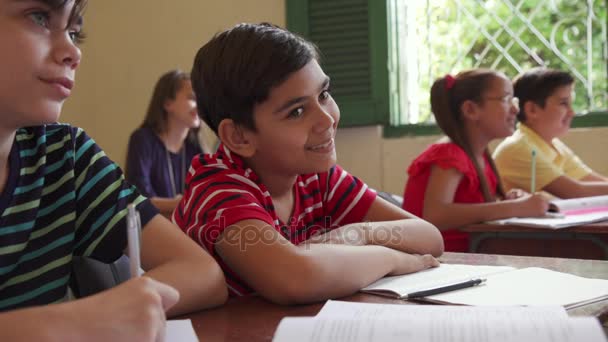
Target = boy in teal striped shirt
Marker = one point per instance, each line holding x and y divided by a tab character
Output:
62	197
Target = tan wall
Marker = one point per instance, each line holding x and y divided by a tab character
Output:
132	42
382	163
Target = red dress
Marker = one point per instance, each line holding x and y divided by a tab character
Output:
446	156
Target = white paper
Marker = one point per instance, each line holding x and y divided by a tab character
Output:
458	329
433	277
180	331
529	286
555	223
580	203
351	310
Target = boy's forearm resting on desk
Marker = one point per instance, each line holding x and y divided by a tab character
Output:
289	274
351	268
409	235
169	256
595	177
390	226
567	187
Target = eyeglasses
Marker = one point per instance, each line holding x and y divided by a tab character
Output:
506	100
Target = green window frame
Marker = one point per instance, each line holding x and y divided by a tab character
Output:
352	37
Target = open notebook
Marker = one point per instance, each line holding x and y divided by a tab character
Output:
503	286
574	212
343	321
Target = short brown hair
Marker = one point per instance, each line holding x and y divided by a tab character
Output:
77	10
237	69
537	85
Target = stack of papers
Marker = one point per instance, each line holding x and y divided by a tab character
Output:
342	321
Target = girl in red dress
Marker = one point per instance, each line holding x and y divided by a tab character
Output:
454	182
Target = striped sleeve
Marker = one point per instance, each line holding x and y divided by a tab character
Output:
218	199
102	196
347	199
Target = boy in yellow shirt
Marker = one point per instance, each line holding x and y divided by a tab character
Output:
545	97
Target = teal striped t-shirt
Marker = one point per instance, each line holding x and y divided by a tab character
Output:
63	197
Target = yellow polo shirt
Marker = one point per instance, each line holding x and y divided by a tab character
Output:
513	158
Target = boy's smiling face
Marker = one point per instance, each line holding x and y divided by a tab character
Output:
38	62
296	126
553	120
558	112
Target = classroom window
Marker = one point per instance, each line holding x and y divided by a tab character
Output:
435	37
383	55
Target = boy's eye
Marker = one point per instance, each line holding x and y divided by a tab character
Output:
77	37
324	94
40	18
296	113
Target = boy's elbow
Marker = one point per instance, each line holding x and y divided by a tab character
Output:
287	293
438	220
218	293
206	287
437	247
297	288
434	242
283	297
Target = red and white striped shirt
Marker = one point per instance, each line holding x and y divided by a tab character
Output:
222	191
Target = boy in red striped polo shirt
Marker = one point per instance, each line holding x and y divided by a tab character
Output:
272	206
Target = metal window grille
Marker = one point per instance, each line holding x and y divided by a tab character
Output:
434	37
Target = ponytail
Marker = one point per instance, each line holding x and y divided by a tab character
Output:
447	95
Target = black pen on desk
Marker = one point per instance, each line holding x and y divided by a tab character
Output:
443	289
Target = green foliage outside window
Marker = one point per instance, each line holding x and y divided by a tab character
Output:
510	36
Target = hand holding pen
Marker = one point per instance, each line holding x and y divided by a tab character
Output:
531	205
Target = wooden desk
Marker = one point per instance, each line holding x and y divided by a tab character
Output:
254	319
583	242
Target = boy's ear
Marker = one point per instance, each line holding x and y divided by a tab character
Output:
236	138
469	110
532	110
